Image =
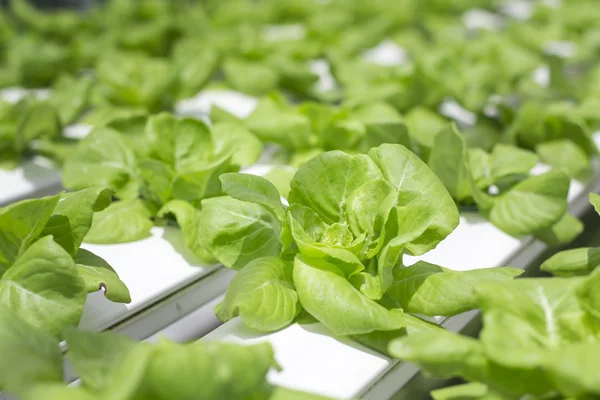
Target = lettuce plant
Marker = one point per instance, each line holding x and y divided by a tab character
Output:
44	274
166	370
135	80
336	249
23	126
522	204
539	340
35	63
575	262
311	127
58	24
158	166
70	96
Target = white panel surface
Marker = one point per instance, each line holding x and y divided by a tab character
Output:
33	176
322	364
231	101
151	268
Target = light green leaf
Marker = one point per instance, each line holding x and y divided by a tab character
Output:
419	188
133	130
562	232
380	340
383	124
103	158
548	316
236	232
424	125
564	153
262	294
104	114
39	120
44	288
195	69
253	189
219	115
94	356
209	370
315	239
184	143
201	182
189	221
508	160
123	221
479	163
446	354
431	290
572	262
326	294
272	122
72	217
29	355
281	177
235	139
442	353
595	201
20	225
588	295
135	80
366	212
448	161
70	96
574	368
126	376
252	77
325	182
158	181
531	205
466	391
97	274
404	225
191	164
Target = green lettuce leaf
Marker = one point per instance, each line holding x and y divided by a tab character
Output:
432	290
326	294
97	274
44	287
548	316
188	219
121	222
253	189
580	261
103	158
531	205
72	217
22	223
236	232
448	161
262	294
29	356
